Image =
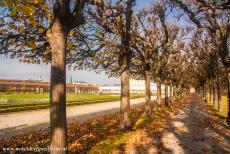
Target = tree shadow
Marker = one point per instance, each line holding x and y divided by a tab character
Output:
187	132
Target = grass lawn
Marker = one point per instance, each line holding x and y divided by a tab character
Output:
141	122
24	96
72	99
224	112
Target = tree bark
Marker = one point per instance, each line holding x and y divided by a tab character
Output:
214	95
174	92
219	95
124	62
179	92
170	97
57	37
228	86
166	95
158	95
210	93
203	92
125	122
148	110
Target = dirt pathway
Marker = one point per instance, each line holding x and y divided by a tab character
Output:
192	128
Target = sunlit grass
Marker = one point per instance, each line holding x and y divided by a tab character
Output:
22	96
69	96
109	144
224	111
72	99
113	142
72	96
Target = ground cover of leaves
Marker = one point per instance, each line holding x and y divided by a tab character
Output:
188	126
82	136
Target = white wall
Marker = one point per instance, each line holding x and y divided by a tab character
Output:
136	86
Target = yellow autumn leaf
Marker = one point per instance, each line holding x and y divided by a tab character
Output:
35	1
41	30
69	45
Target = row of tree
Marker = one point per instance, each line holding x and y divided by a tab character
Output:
115	37
210	48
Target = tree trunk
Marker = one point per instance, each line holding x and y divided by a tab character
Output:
174	92
166	95
124	62
158	95
148	110
179	91
125	102
170	97
219	95
210	93
228	118
57	37
203	92
214	95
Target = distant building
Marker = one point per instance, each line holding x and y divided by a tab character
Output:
37	86
136	86
80	83
115	88
84	87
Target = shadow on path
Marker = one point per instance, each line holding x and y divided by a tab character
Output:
190	129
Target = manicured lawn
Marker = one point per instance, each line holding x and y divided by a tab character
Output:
76	97
24	96
46	96
72	99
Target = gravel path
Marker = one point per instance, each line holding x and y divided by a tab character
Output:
195	129
12	124
190	128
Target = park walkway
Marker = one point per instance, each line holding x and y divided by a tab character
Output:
189	128
12	124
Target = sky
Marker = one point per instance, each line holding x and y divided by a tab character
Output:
13	69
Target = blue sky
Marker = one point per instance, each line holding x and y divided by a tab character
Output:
13	69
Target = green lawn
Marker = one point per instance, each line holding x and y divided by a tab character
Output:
72	99
224	107
69	96
24	96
